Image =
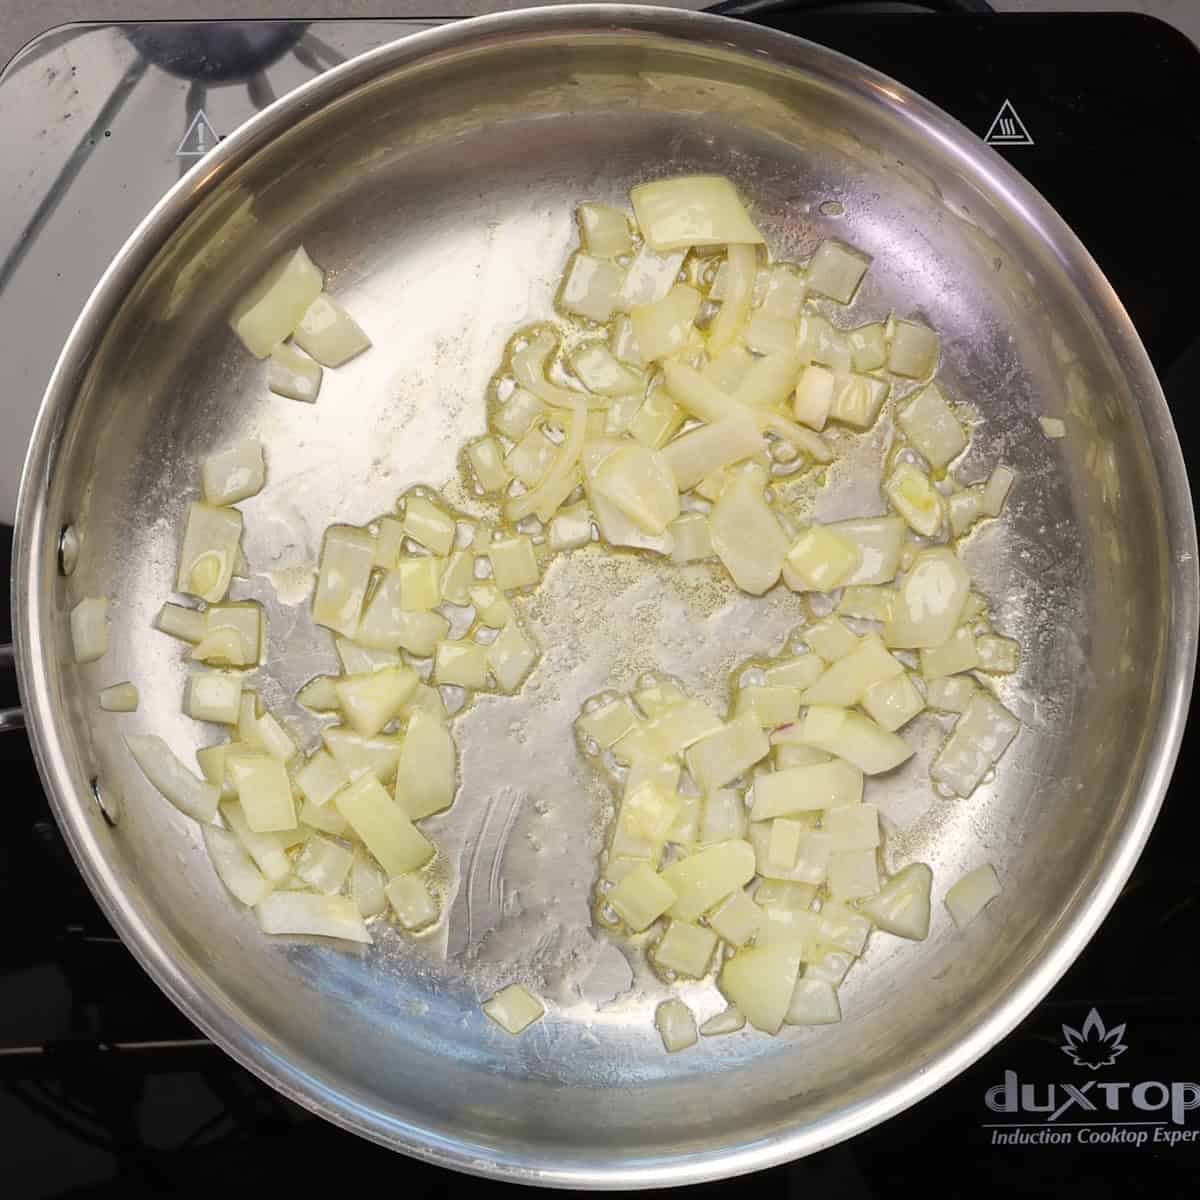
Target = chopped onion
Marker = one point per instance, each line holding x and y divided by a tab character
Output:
329	334
211	541
686	949
1053	427
514	1008
234	866
649	278
120	697
697	454
932	427
761	981
269	312
891	703
746	534
855	738
930	601
736	919
190	795
264	791
879	541
511	657
995	492
414	907
767	334
901	906
845	682
591	287
640	483
676	1025
702	880
662	328
814	1002
868	347
384	827
742	267
813	399
347	557
514	564
487	461
858	399
641	897
428	525
358	755
570	528
958	653
306	913
914	350
769	705
367	883
461	664
831	638
186	624
723	755
426	774
729	1020
293	375
972	893
600	372
693	210
214	697
89	629
603	230
836	270
770	380
370	701
324	865
388	625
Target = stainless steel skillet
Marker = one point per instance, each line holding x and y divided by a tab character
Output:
434	179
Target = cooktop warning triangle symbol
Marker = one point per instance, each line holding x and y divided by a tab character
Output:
1008	129
199	139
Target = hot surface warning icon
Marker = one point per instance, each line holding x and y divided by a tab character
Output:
1008	129
199	139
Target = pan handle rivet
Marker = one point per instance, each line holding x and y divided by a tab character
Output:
107	802
68	549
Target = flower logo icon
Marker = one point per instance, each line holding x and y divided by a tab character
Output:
1094	1046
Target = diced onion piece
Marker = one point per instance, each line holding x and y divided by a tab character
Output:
384	827
487	461
120	697
768	334
327	820
603	230
234	866
411	901
570	529
727	369
914	350
420	583
950	695
791	754
693	210
742	268
831	638
662	328
211	542
691	539
813	398
774	893
266	731
998	655
972	893
802	671
321	778
871	602
388	625
868	347
305	913
911	493
324	865
640	483
211	760
812	856
770	704
516	416
367	883
770	380
810	788
783	846
784	293
600	372
329	333
676	1024
857	400
491	606
358	755
980	737
736	919
836	270
590	287
824	343
657	419
514	564
699	453
214	697
891	703
462	664
293	375
186	624
371	700
264	791
271	309
853	874
347	557
389	540
641	897
244	622
607	723
686	949
511	657
963	509
761	981
428	525
1053	427
831	966
930	601
649	278
879	541
814	1002
820	560
901	906
702	880
724	755
852	826
746	534
996	490
958	653
426	775
89	629
855	738
648	811
931	426
190	795
514	1009
458	576
234	474
729	1020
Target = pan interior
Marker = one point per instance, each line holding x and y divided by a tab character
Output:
439	199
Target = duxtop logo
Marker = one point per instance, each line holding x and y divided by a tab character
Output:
1094	1111
1092	1045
